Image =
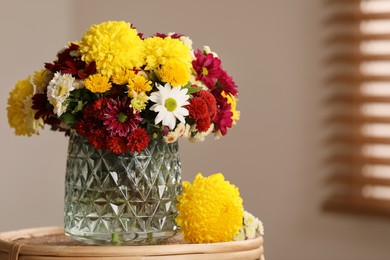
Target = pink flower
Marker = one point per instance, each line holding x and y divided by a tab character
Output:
207	67
119	117
227	83
223	120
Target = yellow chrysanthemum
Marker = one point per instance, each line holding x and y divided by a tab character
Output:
159	51
41	79
233	103
19	111
138	84
174	72
138	102
210	210
113	45
98	83
122	77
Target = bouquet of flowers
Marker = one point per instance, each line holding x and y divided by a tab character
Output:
119	89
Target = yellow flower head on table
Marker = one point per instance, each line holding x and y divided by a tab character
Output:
210	210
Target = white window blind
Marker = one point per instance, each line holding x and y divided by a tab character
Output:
358	84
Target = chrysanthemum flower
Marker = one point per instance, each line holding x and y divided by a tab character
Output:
98	83
139	101
138	84
122	76
171	137
113	45
19	111
41	79
169	105
227	83
231	100
138	140
223	119
58	91
69	62
174	72
208	68
119	118
250	229
116	144
202	109
160	50
210	210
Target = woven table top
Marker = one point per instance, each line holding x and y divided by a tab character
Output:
50	243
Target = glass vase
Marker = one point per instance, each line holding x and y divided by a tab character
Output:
121	199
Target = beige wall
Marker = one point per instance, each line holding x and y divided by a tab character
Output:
272	48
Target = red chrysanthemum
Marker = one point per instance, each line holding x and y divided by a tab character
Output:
210	101
202	108
116	144
119	117
138	140
97	137
227	83
203	124
198	108
208	68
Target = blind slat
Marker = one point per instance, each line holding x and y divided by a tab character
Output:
359	205
357	139
357	119
356	58
356	38
356	98
356	17
358	180
362	160
356	78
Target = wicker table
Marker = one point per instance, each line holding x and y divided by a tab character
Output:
50	243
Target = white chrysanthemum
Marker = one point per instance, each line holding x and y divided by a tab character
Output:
58	91
169	104
251	228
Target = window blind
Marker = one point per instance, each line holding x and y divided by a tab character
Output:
358	106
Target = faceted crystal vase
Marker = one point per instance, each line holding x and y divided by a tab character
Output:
121	199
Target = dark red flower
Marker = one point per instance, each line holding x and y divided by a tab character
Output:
210	101
119	117
117	145
203	124
208	68
223	120
197	108
173	36
44	109
138	140
203	109
227	83
69	62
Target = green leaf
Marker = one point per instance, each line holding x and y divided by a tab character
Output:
79	106
191	89
68	118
